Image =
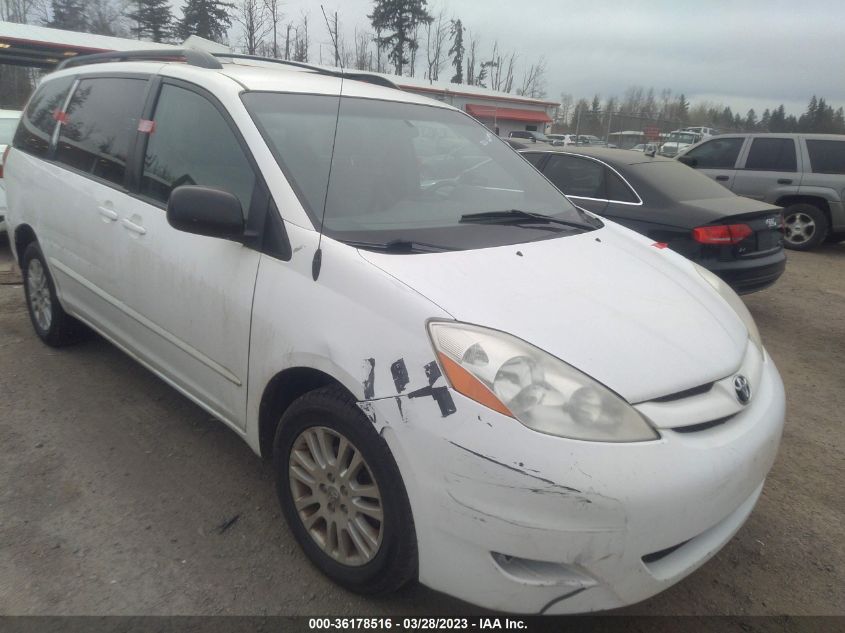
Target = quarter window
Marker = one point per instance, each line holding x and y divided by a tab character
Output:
827	157
39	120
720	153
772	154
534	158
577	177
617	190
191	144
100	123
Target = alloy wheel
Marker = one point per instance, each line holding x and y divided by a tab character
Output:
336	496
799	228
40	300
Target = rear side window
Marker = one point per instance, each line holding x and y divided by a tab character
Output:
39	120
772	154
827	157
720	153
193	145
100	123
578	177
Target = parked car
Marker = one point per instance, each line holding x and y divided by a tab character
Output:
678	141
738	239
561	139
8	123
460	378
803	173
530	136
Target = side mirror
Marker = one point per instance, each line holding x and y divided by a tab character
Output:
688	160
205	211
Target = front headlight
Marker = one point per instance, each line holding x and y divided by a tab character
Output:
735	302
542	392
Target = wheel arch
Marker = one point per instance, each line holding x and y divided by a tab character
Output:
24	236
816	201
280	392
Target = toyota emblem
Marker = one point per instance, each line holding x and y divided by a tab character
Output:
742	388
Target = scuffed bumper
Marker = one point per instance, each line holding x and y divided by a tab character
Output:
513	520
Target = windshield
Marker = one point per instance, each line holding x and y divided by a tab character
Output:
405	172
7	130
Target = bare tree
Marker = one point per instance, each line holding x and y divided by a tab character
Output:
273	11
20	11
301	43
252	18
534	80
436	35
471	54
363	56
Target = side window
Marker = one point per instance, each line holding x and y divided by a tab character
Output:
100	123
579	177
39	120
617	190
827	157
191	144
534	158
772	154
720	153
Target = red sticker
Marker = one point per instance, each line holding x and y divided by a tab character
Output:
660	245
148	127
60	116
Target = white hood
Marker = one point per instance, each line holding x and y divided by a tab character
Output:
636	318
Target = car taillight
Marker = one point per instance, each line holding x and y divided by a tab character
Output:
3	161
721	234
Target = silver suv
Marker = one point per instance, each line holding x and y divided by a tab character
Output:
803	173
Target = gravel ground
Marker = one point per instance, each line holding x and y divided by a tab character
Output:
114	489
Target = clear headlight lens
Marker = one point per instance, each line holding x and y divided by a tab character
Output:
542	392
735	302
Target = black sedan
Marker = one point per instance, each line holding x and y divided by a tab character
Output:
739	239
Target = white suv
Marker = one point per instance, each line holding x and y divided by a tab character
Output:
459	375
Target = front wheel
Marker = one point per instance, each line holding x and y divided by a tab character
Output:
805	226
342	494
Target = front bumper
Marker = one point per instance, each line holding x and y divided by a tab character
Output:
513	520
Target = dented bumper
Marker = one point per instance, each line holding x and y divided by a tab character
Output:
514	520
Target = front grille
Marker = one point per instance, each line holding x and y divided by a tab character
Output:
702	426
686	393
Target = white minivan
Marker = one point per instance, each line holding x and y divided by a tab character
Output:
461	377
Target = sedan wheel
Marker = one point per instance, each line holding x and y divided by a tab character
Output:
40	302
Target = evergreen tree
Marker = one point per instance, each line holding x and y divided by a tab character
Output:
152	19
778	121
751	120
765	120
683	108
400	19
457	51
206	18
69	15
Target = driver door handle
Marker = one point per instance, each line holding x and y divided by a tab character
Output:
131	226
723	178
784	181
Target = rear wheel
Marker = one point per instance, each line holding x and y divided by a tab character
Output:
342	494
52	324
805	226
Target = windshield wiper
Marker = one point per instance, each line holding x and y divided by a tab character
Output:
399	246
517	217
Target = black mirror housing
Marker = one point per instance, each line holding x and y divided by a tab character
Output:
206	211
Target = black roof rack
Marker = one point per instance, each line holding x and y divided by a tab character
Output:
192	56
203	59
357	76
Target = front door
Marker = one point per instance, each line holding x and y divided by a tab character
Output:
190	296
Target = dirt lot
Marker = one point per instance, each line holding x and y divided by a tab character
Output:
114	488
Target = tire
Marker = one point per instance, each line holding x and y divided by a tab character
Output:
361	553
52	324
805	226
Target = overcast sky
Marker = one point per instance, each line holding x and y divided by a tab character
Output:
744	53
